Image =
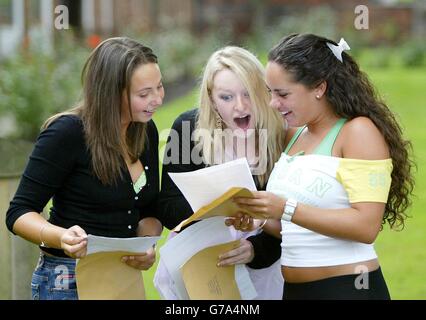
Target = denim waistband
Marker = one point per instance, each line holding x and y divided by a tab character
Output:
54	261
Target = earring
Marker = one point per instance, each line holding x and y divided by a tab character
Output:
317	96
218	122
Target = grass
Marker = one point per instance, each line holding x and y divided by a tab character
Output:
402	254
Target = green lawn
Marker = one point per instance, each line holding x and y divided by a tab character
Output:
402	254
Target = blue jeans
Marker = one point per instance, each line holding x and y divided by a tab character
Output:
54	279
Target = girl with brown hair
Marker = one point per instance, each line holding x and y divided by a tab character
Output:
99	164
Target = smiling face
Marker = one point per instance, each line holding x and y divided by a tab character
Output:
232	101
293	100
146	94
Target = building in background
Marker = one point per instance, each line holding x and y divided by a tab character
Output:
23	21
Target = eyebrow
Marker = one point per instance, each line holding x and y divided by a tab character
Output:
222	89
148	88
228	90
277	90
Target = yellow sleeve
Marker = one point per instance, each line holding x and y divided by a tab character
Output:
365	180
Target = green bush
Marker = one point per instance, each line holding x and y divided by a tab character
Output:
320	20
35	84
182	54
377	58
413	53
13	156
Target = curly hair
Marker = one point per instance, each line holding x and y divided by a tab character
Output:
350	93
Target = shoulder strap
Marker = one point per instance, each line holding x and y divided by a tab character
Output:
293	139
326	145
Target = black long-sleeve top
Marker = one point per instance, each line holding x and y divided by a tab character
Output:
60	168
172	205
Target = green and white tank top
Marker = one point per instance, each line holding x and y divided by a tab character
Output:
328	182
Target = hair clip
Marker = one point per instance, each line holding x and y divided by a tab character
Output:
337	50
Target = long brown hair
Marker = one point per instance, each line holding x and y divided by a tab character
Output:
106	75
350	93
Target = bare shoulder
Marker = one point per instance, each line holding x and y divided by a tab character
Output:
363	140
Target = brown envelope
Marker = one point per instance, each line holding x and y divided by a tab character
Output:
222	206
102	276
205	281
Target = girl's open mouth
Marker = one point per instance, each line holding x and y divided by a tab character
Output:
149	113
243	122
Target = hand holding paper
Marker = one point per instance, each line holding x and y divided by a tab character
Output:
241	254
142	261
182	247
213	282
262	202
73	242
131	245
210	191
200	187
103	275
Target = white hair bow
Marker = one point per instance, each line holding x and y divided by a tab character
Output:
337	50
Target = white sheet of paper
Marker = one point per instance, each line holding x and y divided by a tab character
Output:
205	233
200	187
104	244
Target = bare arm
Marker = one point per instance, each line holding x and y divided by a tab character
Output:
361	222
273	227
33	227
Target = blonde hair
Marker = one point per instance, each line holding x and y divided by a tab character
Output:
251	73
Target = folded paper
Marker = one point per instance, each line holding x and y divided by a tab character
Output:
101	275
205	280
222	206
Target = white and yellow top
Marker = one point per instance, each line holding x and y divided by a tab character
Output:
330	183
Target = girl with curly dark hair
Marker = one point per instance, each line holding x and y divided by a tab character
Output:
345	172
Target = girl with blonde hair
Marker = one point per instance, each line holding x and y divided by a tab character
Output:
233	120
